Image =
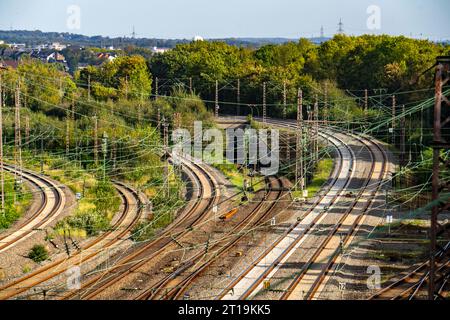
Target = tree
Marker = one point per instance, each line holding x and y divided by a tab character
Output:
128	76
43	86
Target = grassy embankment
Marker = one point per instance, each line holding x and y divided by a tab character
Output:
99	202
16	203
164	207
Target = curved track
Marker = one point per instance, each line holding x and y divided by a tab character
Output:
245	284
175	285
304	284
307	283
130	215
316	267
207	196
413	283
53	202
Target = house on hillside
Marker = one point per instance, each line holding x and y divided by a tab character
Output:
48	56
56	46
17	45
107	56
9	64
40	55
157	50
56	57
8	53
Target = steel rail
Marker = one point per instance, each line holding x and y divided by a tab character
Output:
294	227
175	292
263	276
36	221
412	281
208	197
328	264
59	266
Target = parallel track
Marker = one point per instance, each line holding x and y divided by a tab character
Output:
327	251
175	285
409	286
53	202
292	237
208	197
107	240
329	248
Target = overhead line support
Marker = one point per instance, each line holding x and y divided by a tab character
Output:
439	186
264	104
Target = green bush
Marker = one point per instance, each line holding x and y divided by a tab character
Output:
164	209
16	202
94	223
38	253
106	198
143	231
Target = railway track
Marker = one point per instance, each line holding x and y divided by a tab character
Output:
307	283
175	285
304	284
208	195
250	282
411	285
53	202
244	285
37	279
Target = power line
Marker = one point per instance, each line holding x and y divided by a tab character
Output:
340	27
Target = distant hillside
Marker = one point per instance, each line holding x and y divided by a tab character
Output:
31	38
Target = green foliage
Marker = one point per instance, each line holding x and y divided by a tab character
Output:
125	77
320	176
95	218
142	231
164	210
13	209
377	62
120	92
9	217
92	222
102	93
129	125
206	62
341	107
26	269
44	86
105	197
38	253
347	62
190	106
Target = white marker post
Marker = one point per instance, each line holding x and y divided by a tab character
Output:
389	220
215	210
273	222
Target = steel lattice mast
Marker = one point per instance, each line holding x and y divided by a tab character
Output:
442	77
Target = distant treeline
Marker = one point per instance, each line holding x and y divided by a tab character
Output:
32	38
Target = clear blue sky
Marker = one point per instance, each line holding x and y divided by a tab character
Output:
228	18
